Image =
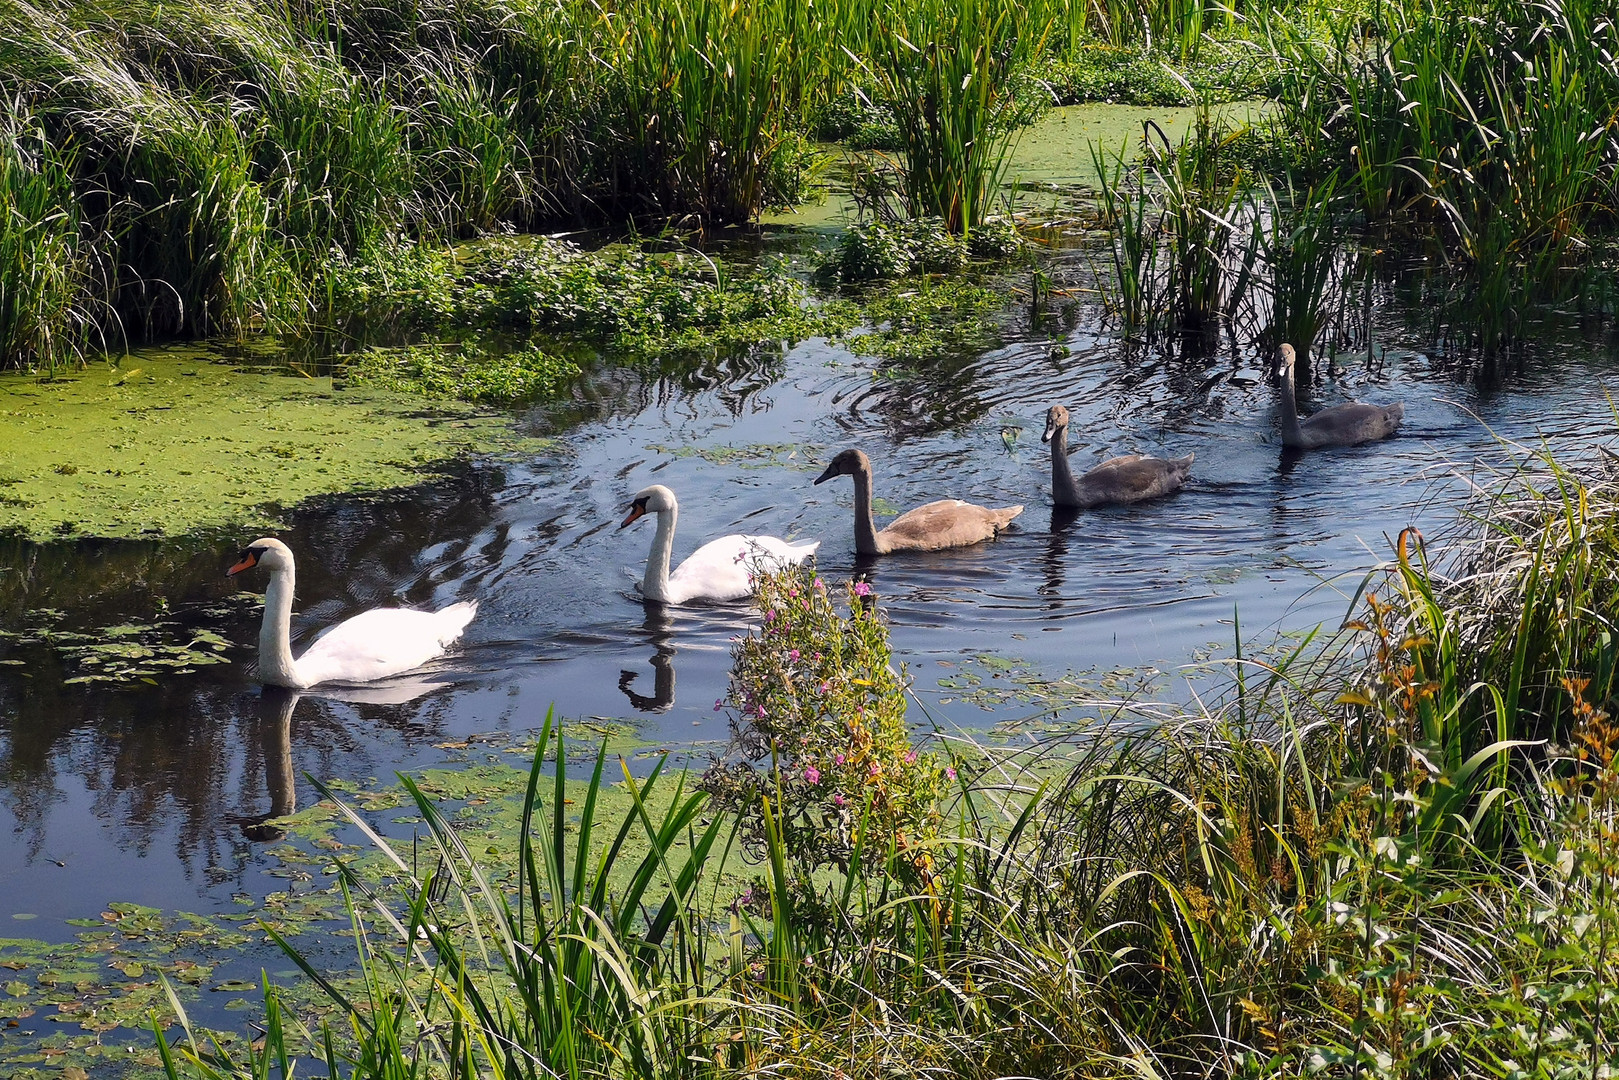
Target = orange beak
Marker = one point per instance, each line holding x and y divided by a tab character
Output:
249	561
636	512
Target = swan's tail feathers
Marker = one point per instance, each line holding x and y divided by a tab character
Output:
1003	517
800	553
454	619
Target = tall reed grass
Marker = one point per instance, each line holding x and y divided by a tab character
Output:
1493	123
945	67
47	265
224	156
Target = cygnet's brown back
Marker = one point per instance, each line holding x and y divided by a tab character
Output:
1350	423
947	523
1130	479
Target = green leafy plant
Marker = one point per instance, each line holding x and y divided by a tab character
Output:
505	378
817	694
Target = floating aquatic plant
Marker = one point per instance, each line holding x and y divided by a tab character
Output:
134	652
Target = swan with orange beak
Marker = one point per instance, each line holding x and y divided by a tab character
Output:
372	645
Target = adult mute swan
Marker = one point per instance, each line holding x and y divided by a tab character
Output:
1341	425
1127	479
373	645
717	571
947	523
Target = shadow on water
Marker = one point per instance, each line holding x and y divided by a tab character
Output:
168	792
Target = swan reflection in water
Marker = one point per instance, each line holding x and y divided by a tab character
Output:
276	704
275	708
659	627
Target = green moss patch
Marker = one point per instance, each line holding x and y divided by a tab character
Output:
171	442
444	371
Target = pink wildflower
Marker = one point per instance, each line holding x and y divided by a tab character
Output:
812	775
793	655
950	771
719	703
837	799
861	588
910	758
840	759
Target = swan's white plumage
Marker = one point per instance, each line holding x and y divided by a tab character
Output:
721	570
372	645
382	642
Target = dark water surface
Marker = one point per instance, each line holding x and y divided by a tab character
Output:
153	794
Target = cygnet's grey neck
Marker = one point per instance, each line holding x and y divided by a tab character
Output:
1064	492
865	526
1291	433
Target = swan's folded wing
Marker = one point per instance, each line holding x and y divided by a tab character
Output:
717	571
1135	478
382	642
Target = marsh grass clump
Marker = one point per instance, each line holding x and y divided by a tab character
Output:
48	278
1487	123
1520	596
1134	74
628	295
876	251
945	69
1175	267
517	377
210	166
854	120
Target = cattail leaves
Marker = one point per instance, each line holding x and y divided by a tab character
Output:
945	67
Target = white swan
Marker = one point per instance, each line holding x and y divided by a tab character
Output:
1339	425
372	645
719	570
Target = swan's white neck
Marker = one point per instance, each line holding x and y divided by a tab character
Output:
655	585
276	667
865	527
1291	435
1064	492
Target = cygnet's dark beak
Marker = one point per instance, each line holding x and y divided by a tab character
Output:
831	471
1051	429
